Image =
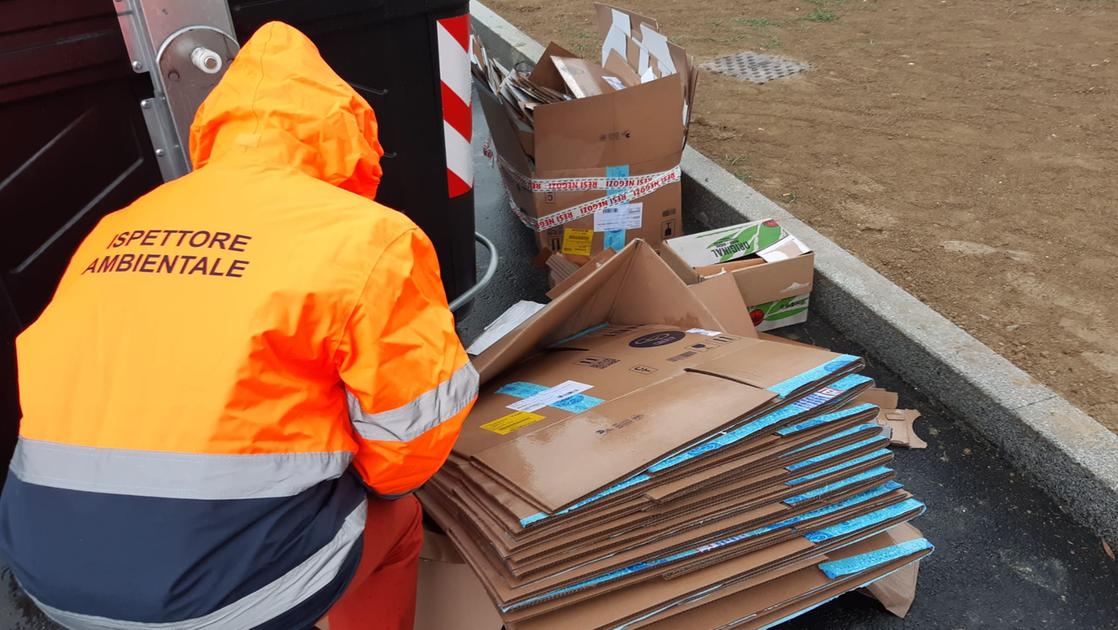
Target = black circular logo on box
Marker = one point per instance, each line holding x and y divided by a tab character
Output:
653	340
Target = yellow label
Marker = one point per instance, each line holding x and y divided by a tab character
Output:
577	242
512	422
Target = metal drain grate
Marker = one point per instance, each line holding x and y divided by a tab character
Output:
755	67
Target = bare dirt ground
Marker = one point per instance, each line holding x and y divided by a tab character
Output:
966	149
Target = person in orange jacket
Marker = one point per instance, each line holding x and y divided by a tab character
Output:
239	380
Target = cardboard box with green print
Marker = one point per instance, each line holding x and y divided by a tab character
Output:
772	268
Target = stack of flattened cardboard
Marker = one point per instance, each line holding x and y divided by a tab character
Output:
630	464
589	150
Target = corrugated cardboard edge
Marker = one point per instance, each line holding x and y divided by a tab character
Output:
622	290
1066	451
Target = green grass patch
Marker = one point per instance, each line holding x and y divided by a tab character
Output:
820	14
759	22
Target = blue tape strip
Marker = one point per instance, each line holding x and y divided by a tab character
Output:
832	454
577	403
838	436
645	565
861	497
866	561
824	419
826	601
520	389
866	520
836	485
788	386
881	452
615	239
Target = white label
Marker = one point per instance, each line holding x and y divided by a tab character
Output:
626	216
703	331
550	396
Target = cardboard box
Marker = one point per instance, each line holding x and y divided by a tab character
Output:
600	170
773	269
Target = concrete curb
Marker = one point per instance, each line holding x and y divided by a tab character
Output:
1068	453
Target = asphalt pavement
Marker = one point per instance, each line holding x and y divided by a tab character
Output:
1006	556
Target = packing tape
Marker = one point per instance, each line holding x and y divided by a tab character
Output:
629	189
857	564
811	495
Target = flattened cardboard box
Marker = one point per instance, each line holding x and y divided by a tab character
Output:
880	511
795	592
614	398
773	270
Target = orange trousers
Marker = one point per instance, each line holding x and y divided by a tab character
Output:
382	593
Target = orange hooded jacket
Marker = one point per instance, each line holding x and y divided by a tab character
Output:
218	359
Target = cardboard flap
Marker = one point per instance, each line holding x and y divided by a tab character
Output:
607	15
773	281
882	398
504	135
633	287
583	78
545	73
768	363
619	436
618	67
574	277
721	296
628	126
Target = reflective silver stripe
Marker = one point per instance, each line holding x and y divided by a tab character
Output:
173	475
252	610
429	410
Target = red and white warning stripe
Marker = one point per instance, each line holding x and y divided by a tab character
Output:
454	73
577	211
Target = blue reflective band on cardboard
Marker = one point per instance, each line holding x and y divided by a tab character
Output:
574	404
839	436
881	452
639	567
830	367
861	497
831	454
866	561
836	485
824	419
864	521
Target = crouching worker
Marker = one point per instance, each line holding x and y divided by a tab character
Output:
239	381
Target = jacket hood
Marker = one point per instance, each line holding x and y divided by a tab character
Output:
280	104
